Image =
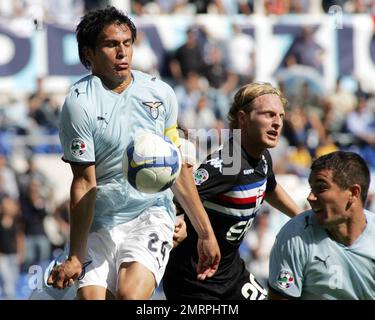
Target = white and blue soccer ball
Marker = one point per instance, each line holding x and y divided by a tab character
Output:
151	163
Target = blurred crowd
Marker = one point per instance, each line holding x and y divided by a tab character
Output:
71	10
205	73
32	225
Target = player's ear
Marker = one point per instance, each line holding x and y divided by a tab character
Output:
241	118
355	192
88	53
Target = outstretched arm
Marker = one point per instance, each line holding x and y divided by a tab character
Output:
280	199
179	232
82	202
208	249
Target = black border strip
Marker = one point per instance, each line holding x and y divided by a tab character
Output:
270	288
78	163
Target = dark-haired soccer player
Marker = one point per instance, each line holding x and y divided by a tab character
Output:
328	252
121	236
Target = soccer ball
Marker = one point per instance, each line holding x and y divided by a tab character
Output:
151	163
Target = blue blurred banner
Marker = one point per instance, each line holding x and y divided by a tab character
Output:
28	52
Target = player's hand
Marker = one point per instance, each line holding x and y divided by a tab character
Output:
208	257
179	232
64	275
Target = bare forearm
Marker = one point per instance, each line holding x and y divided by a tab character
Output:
188	197
82	211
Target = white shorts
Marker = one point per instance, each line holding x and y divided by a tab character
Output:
146	239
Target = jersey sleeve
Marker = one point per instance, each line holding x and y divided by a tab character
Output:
76	133
171	118
287	259
210	180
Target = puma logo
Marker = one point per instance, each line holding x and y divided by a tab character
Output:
100	118
321	260
307	221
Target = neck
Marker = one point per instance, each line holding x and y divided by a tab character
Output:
348	231
253	151
115	85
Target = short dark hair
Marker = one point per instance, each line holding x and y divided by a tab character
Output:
92	24
347	168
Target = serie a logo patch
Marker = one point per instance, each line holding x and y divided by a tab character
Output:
285	279
200	176
77	147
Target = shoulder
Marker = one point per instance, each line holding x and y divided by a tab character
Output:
216	157
152	81
82	98
297	229
370	217
224	161
81	90
82	85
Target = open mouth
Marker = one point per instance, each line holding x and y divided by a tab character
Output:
272	133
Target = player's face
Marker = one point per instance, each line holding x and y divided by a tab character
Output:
264	123
327	199
111	60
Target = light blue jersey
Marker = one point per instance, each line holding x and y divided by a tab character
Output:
306	263
97	124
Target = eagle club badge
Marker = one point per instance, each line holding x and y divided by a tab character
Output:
154	108
77	147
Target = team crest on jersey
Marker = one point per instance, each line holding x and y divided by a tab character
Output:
77	147
285	279
154	108
200	176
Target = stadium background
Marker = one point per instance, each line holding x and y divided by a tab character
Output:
328	76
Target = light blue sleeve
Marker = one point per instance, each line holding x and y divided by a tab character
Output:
171	117
287	260
76	132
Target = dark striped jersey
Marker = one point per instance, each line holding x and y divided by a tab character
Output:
232	186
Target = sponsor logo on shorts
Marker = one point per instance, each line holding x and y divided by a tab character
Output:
200	176
285	279
77	147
